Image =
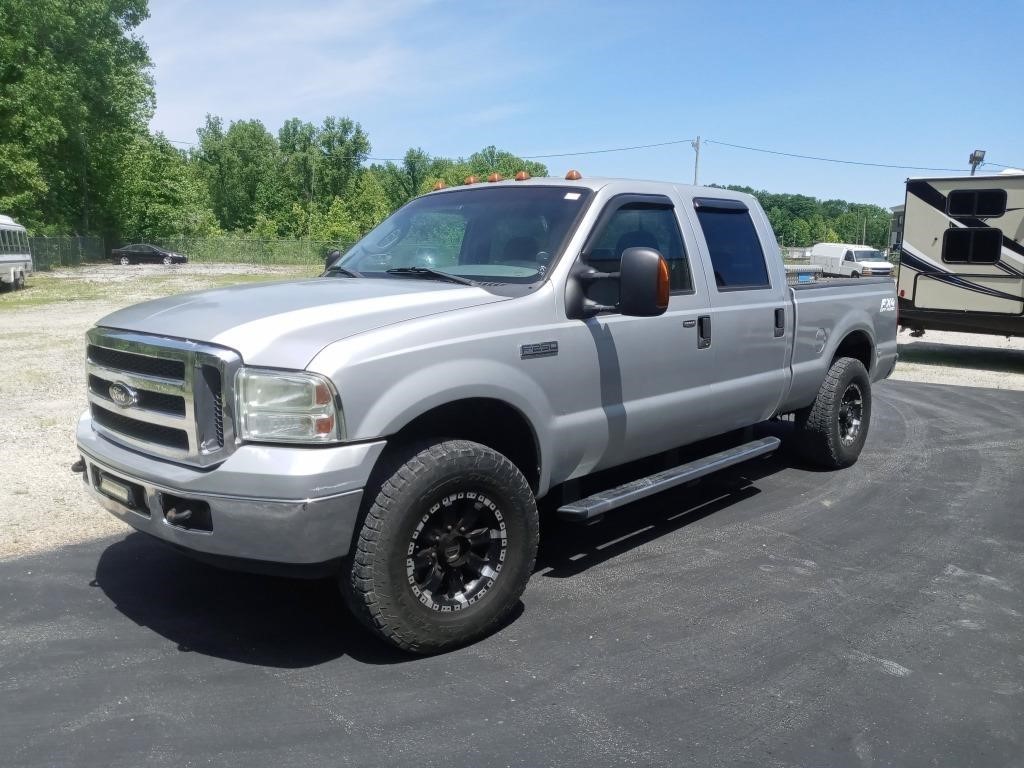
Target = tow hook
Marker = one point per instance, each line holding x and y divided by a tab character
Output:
78	467
174	516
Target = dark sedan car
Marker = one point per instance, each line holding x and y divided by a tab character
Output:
146	254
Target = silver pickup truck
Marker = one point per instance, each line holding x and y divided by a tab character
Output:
396	420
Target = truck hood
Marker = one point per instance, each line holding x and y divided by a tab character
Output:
286	324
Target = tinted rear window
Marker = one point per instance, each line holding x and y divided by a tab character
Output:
734	247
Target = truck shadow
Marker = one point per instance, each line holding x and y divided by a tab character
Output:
960	356
568	549
292	623
253	619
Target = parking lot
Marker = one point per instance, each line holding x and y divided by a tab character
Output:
770	616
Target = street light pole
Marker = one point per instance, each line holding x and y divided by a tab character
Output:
976	159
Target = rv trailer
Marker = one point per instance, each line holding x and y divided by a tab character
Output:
962	255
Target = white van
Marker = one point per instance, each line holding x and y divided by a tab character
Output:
15	256
845	260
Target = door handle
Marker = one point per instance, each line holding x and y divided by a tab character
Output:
703	331
780	322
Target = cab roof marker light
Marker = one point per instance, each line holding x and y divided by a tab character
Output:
573	175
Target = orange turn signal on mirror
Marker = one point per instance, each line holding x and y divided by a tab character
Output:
664	284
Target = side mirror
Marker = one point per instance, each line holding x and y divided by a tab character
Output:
644	283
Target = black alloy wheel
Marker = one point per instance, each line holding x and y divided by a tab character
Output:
457	551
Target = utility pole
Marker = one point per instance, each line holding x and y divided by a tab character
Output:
696	160
864	232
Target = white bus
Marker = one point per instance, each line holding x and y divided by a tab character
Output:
15	255
962	255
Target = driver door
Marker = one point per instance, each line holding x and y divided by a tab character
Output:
651	370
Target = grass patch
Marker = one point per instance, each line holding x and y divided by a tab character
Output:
86	284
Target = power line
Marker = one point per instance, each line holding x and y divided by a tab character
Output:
682	141
832	159
604	151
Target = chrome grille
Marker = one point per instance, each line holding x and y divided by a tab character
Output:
178	408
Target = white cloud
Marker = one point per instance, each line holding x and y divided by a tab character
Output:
309	59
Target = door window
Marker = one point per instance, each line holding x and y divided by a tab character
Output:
642	225
733	244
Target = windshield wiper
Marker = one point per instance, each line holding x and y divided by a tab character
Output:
341	270
428	272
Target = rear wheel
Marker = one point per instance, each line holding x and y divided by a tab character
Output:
125	261
831	432
19	282
445	549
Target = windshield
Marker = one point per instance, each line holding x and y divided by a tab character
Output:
868	256
498	235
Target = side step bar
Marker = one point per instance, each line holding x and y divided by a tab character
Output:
594	506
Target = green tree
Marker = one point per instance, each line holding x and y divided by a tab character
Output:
161	195
75	93
242	167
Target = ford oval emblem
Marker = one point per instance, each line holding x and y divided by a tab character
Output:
123	395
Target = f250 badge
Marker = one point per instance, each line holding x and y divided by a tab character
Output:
543	349
888	305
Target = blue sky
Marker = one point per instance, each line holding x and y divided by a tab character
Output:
911	83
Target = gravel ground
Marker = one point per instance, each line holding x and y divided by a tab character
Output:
964	359
43	389
42	505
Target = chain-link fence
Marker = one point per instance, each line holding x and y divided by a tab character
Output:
239	250
50	252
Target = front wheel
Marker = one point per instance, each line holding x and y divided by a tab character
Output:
168	260
832	430
445	549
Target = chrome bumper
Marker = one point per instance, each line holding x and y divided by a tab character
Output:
294	506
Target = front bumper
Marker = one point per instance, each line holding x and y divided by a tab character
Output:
294	506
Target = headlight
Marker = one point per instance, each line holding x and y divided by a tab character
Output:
287	407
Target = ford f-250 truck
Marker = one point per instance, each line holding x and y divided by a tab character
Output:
395	420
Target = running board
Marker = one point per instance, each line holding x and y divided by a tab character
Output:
594	506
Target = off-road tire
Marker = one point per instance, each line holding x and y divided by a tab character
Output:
376	582
819	426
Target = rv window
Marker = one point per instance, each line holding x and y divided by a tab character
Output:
972	245
734	247
982	203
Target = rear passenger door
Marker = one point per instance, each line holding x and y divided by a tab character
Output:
751	322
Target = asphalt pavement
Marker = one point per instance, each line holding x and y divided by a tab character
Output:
771	616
